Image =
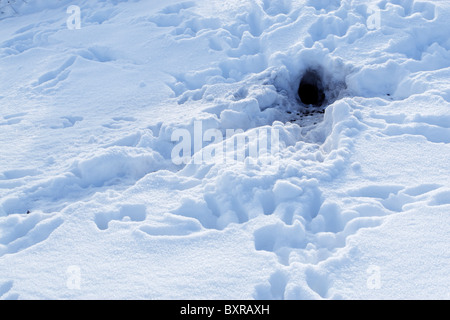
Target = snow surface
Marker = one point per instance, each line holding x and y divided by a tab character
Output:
354	205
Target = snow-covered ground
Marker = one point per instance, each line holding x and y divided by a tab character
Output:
354	203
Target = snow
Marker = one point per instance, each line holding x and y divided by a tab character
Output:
352	203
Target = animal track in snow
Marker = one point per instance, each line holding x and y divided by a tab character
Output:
53	78
24	39
85	177
19	232
435	129
441	198
5	287
5	291
279	235
172	226
178	7
426	9
18	174
407	8
326	26
99	54
15	115
239	41
13	118
328	229
276	7
18	44
432	133
99	16
325	5
310	242
375	191
318	282
67	122
185	22
275	287
119	122
131	212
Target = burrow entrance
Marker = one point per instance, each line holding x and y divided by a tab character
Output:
311	89
315	90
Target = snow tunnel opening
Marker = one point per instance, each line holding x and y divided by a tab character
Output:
311	89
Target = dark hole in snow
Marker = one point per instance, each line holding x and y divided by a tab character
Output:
311	89
315	90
